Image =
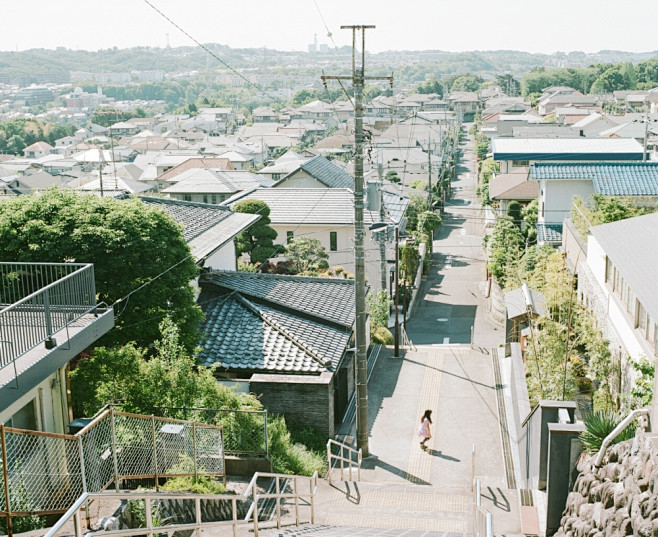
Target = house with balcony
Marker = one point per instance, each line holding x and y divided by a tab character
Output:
48	315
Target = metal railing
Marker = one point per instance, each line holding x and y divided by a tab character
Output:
346	454
152	526
482	519
617	431
43	473
37	300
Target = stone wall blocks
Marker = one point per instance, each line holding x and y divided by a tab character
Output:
654	528
641	527
595	493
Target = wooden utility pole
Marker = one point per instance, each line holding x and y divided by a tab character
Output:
358	79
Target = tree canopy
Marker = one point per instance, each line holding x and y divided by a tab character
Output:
130	245
306	254
258	239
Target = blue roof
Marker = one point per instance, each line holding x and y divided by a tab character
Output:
549	233
609	178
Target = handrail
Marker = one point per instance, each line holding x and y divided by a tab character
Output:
617	431
340	457
482	519
148	497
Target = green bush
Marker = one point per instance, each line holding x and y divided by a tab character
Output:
381	335
203	484
289	457
600	424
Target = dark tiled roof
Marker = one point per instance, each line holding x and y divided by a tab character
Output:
549	233
243	335
326	299
609	178
196	218
327	173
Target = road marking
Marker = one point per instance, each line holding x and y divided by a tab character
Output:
462	231
446	340
442	319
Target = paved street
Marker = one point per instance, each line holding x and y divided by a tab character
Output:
446	374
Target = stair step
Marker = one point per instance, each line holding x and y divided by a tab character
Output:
325	530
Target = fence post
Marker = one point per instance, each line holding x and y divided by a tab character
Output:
5	475
265	430
155	454
473	468
83	475
115	462
194	449
277	488
329	461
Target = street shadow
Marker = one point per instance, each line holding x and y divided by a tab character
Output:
373	462
387	371
499	501
443	371
351	491
438	453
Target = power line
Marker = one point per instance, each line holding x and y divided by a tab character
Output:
234	71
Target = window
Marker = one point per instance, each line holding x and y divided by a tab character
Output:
25	418
333	241
187	197
276	176
289	236
609	270
205	198
213	198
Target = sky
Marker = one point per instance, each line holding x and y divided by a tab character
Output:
450	25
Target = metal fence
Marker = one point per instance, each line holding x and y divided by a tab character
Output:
37	300
245	431
44	473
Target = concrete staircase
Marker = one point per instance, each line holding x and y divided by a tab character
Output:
362	508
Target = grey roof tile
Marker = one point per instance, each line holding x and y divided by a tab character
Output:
549	233
327	173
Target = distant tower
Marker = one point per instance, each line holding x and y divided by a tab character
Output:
313	47
167	40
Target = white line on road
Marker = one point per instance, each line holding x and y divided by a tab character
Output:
446	340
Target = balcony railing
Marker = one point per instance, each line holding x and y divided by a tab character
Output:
39	299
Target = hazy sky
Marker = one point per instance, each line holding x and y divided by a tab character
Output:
453	25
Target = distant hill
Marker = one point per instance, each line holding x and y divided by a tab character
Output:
45	65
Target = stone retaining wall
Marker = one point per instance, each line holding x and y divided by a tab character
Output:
618	499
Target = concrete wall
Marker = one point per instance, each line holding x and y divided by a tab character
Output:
536	434
223	259
520	401
563	453
303	399
557	196
301	179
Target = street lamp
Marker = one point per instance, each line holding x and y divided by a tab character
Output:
379	226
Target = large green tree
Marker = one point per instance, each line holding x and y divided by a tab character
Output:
141	261
258	239
306	254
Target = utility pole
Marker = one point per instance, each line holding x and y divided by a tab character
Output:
382	235
358	79
429	176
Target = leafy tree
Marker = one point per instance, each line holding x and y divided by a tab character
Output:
169	379
530	215
430	87
505	248
16	144
428	222
417	204
514	212
306	254
510	85
380	306
468	82
130	244
610	80
258	239
392	176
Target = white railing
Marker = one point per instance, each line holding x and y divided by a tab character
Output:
482	519
152	527
617	431
346	454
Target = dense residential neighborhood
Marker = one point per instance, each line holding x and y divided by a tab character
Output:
200	286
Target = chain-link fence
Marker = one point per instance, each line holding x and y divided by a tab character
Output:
245	431
47	472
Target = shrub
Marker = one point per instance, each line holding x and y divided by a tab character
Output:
381	335
600	424
289	457
203	484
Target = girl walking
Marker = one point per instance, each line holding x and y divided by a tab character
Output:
424	428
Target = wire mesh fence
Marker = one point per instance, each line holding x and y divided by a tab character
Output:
45	473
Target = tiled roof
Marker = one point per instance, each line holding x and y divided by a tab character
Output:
195	162
327	173
205	227
549	233
326	299
315	206
241	334
609	178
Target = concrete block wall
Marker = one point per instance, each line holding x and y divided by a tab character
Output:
302	399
